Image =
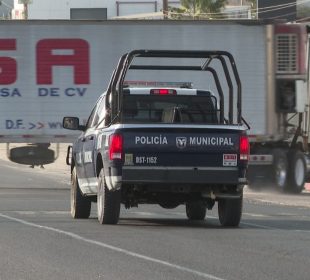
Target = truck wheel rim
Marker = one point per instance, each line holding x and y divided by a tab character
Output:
299	172
281	174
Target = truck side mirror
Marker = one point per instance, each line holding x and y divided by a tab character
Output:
72	123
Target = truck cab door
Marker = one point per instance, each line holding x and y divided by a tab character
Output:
85	165
89	159
89	149
78	157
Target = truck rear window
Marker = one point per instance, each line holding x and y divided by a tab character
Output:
196	109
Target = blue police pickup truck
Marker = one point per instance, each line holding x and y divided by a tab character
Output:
166	143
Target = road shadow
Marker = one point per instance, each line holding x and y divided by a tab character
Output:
169	222
213	223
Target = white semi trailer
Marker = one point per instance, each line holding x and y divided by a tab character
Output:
50	69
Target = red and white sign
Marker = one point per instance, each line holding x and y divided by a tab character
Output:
230	160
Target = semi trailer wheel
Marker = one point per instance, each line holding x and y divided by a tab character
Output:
108	203
80	205
280	169
297	171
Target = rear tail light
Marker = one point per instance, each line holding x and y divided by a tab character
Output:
116	146
244	147
163	91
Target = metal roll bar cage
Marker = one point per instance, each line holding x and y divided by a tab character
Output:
125	63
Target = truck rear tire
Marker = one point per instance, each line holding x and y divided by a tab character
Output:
80	205
230	211
195	211
297	171
108	202
280	169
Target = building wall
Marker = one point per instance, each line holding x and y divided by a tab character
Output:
238	2
60	9
18	11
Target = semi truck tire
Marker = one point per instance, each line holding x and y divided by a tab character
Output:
195	211
280	169
108	203
80	205
230	211
297	171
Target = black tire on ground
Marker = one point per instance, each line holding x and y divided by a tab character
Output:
230	211
196	210
297	171
280	169
108	202
80	205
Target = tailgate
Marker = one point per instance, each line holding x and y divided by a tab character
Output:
182	155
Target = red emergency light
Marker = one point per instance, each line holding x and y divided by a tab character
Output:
163	91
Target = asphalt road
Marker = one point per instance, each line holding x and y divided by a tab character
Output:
39	239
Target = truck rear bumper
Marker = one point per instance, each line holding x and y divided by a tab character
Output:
182	175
